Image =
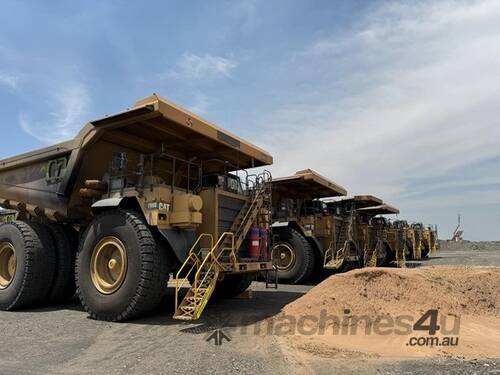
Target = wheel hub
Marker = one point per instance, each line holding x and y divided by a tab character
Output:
108	265
8	264
284	256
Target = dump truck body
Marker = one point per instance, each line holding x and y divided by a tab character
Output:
434	239
421	249
386	242
157	164
408	236
366	237
426	237
303	228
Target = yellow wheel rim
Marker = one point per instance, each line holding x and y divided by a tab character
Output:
8	264
108	265
283	256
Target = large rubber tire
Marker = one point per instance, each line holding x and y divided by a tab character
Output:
35	263
66	244
387	258
425	250
147	271
303	266
409	251
233	285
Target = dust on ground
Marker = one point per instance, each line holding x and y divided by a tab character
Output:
62	340
345	310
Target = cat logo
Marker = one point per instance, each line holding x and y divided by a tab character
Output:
155	205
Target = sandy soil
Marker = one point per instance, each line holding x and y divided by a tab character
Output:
371	313
62	340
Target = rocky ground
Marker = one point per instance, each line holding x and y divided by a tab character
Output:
62	339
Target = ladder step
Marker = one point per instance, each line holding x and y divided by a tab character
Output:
179	280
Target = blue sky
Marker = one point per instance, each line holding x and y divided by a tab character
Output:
398	99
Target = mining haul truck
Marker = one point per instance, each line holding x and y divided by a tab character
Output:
426	239
352	240
385	246
346	248
408	235
433	238
134	197
364	237
302	226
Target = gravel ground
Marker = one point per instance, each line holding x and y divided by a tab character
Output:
62	339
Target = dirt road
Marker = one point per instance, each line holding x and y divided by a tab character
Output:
62	339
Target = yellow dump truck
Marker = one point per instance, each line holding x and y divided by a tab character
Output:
364	239
426	240
134	197
384	244
408	236
433	238
302	226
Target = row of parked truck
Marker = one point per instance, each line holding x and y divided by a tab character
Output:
317	227
156	194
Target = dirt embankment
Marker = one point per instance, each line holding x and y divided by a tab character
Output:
372	312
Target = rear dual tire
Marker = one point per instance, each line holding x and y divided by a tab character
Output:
425	250
65	240
27	264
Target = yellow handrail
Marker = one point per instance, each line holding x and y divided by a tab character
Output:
328	254
252	203
214	257
191	258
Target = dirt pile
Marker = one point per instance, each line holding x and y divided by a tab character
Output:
467	300
457	290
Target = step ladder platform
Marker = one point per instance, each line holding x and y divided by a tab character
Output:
222	256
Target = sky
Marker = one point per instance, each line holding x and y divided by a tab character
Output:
399	99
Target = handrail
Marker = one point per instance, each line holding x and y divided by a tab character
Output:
252	204
195	263
214	257
328	254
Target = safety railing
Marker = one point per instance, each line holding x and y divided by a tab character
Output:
194	260
214	256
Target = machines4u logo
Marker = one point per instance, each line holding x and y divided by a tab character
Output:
218	336
428	323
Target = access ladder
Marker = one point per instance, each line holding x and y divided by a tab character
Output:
344	238
206	260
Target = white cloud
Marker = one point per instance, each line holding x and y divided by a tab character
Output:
69	105
410	92
193	68
200	103
9	80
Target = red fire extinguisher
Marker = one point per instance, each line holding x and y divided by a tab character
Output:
254	245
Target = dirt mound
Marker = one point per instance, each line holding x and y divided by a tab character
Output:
456	290
343	314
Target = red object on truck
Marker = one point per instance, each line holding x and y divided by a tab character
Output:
254	243
264	239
